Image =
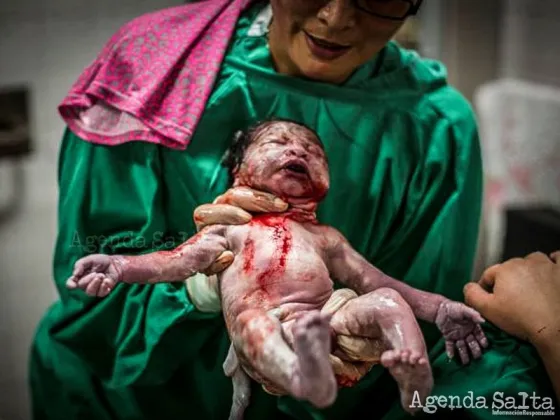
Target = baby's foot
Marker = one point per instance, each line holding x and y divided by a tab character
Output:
412	371
312	345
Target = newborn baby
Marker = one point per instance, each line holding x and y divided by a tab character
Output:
280	308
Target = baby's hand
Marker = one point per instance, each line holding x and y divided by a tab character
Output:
96	274
460	326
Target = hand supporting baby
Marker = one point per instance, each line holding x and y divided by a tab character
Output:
458	323
232	208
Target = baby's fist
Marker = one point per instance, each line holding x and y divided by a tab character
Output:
96	274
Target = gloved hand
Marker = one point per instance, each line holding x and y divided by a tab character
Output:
230	208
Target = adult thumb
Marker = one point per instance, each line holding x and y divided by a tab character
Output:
478	298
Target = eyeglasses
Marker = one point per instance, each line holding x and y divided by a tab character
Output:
389	9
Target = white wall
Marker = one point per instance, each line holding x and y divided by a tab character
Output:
527	53
44	44
470	41
469	48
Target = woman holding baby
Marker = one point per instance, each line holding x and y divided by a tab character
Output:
148	125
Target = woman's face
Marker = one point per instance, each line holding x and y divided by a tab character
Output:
327	40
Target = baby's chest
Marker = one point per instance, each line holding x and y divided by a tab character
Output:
281	254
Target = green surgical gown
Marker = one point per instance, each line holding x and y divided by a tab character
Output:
406	185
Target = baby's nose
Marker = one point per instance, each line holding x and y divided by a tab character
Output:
299	152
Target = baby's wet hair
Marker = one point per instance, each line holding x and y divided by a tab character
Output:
242	139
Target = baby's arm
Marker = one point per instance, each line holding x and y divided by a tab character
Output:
347	266
459	324
98	274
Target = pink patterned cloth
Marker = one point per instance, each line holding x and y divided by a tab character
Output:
152	80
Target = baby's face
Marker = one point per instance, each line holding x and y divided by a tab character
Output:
288	161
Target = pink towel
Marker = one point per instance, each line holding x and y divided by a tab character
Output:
152	80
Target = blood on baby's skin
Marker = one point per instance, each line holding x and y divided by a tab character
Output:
345	382
194	239
282	238
177	252
254	336
248	255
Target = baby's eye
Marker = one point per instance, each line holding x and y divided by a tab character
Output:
276	141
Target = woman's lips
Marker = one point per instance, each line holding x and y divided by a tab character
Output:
325	50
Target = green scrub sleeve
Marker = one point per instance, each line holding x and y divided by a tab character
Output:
433	240
112	201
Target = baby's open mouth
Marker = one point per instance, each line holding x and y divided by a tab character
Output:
296	168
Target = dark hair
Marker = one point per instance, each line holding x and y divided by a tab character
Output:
242	139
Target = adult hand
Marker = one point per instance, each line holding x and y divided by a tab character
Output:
521	296
230	208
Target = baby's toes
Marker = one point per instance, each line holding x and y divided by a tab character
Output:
423	361
389	358
414	358
405	356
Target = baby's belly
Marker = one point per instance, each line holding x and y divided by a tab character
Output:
278	265
294	289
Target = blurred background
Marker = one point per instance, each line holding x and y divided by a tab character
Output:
503	56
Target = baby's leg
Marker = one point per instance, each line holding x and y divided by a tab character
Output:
384	314
304	372
241	385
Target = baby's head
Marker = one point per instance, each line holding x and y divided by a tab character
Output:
282	157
